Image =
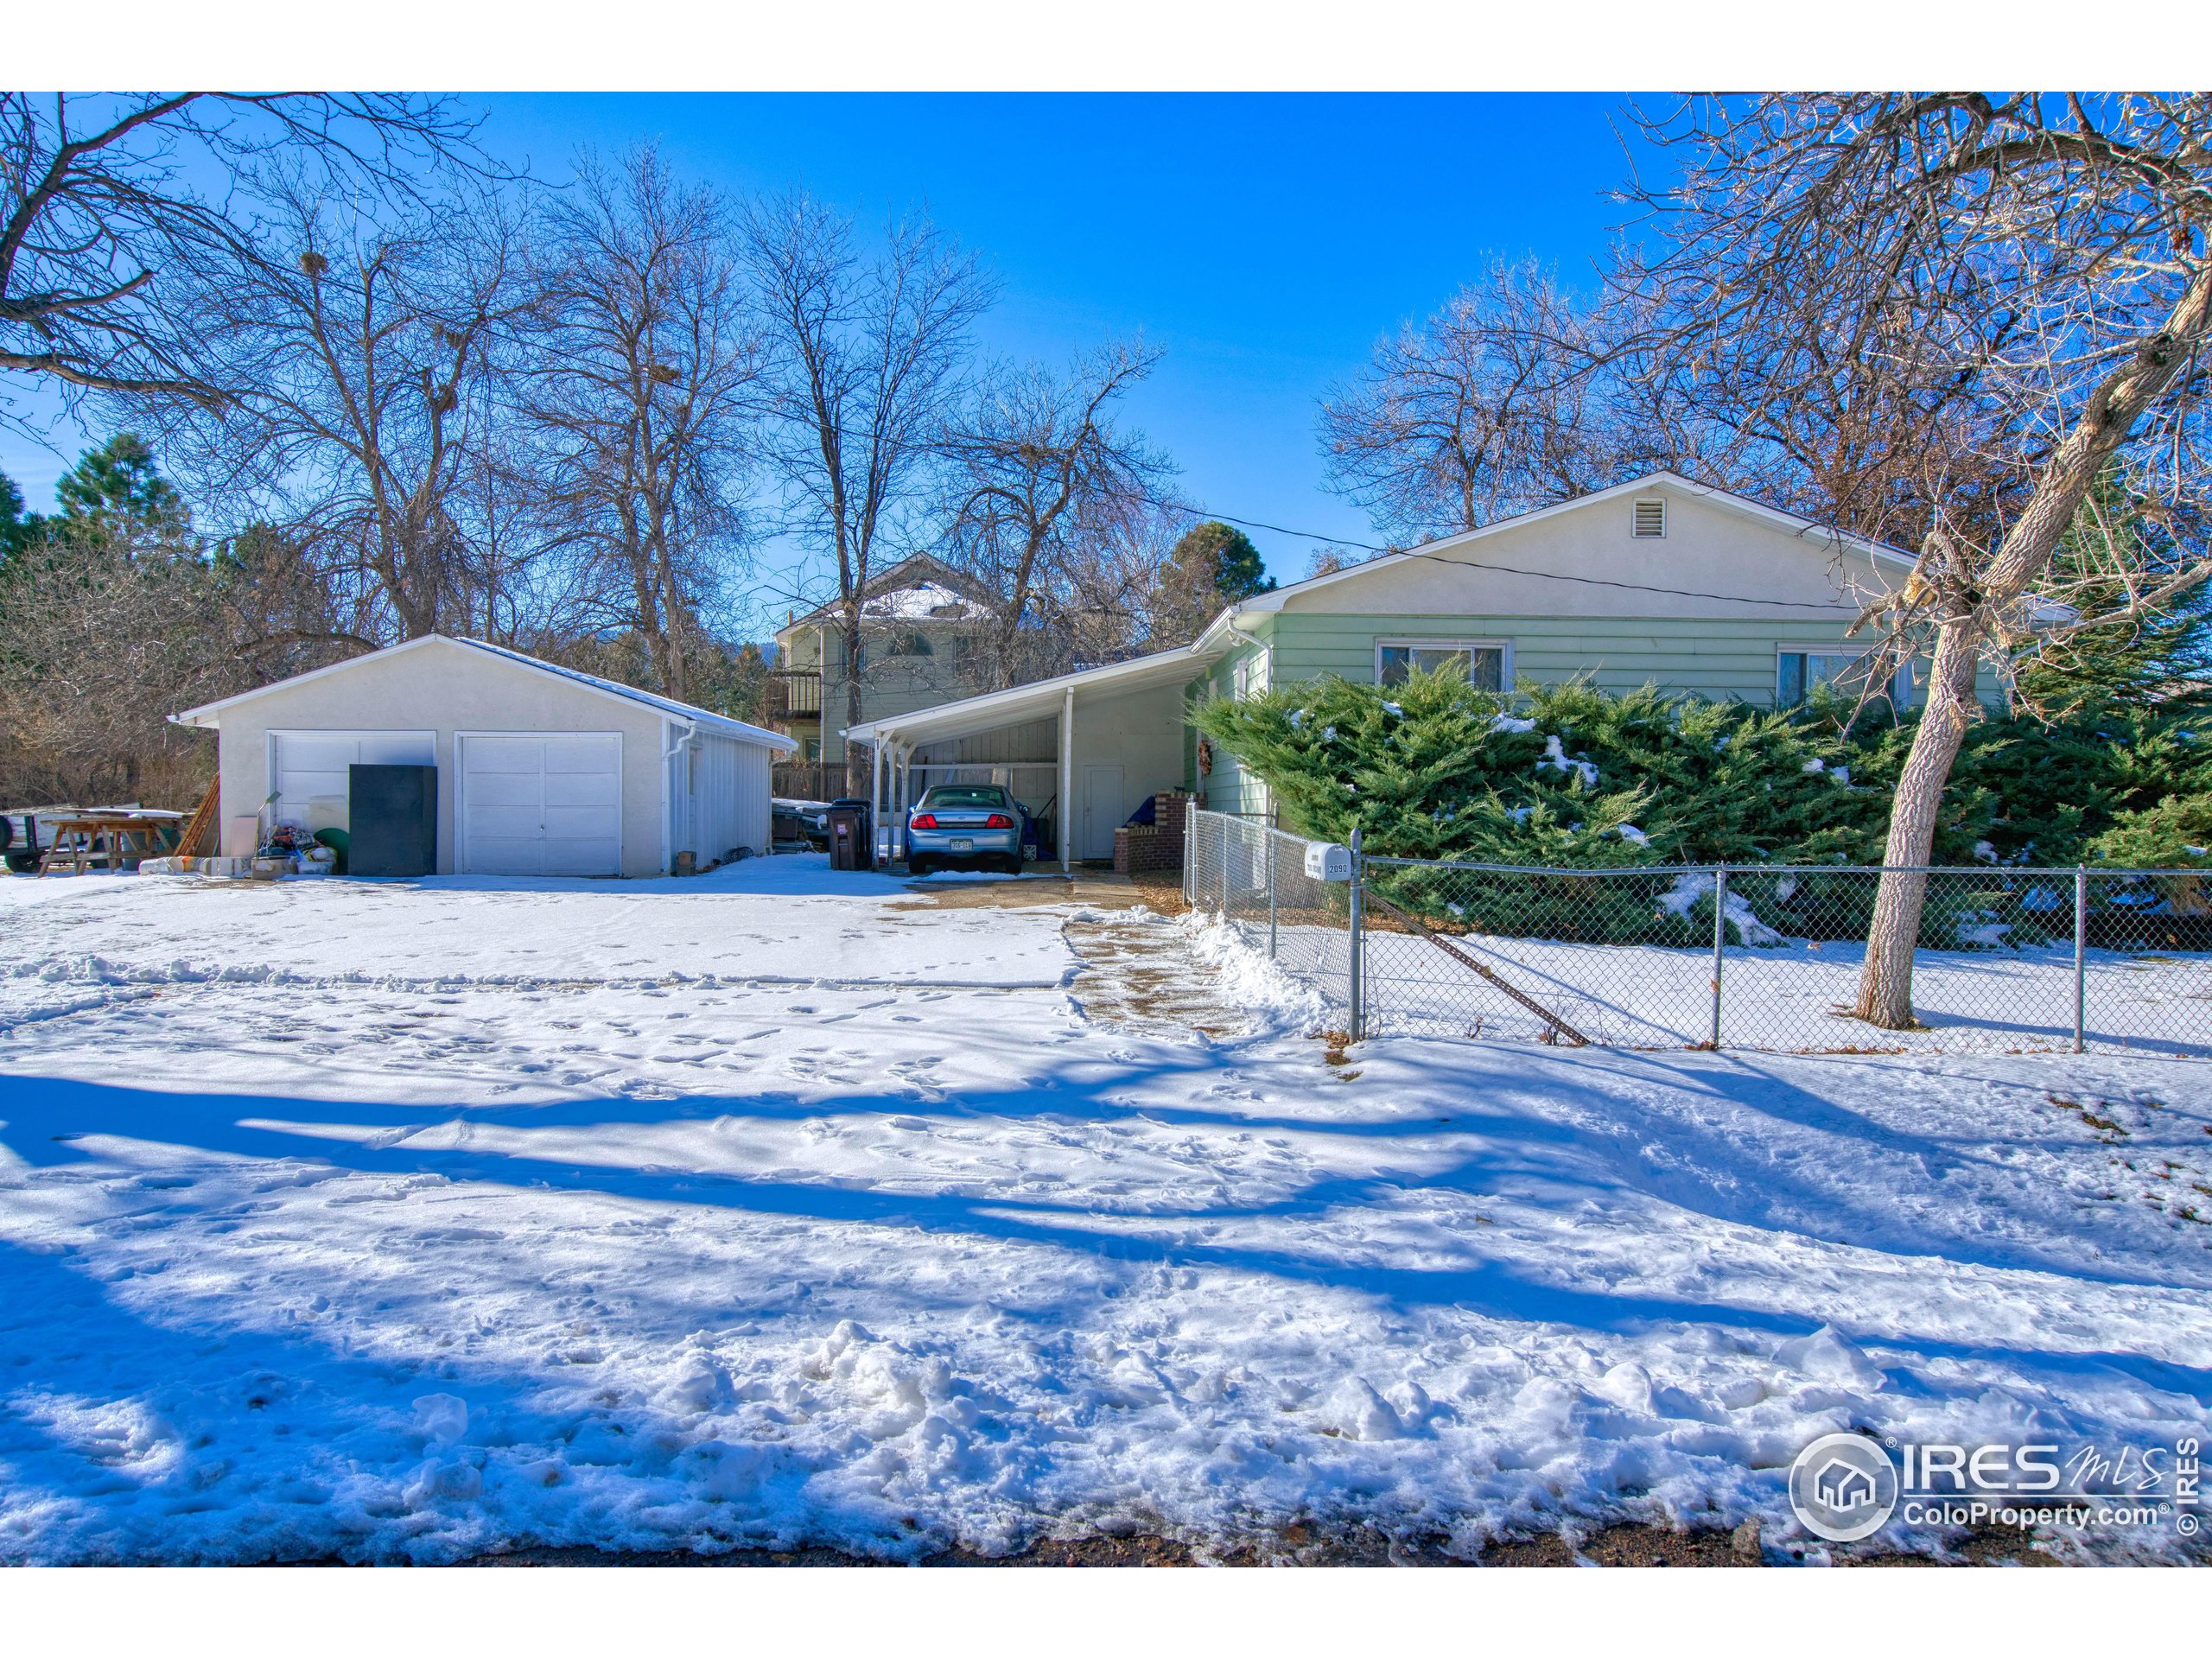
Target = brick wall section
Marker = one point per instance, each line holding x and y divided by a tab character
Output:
1158	846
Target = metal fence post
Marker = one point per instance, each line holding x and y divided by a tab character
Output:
1190	851
1226	822
1355	968
1720	945
1268	851
2080	958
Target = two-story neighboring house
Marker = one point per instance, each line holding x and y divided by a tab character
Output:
1661	581
919	618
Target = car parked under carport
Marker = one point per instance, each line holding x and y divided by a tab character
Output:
975	825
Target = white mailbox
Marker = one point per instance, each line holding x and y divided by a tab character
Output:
1327	861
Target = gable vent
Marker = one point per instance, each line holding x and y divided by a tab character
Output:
1649	519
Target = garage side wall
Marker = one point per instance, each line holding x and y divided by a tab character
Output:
720	798
446	689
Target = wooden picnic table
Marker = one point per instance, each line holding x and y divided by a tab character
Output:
109	838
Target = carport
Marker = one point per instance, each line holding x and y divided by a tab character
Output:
1090	746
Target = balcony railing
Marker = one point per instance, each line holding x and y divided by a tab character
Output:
794	691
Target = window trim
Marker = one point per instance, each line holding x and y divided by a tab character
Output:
1899	693
1502	647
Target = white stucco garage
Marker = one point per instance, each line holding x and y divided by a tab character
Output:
541	769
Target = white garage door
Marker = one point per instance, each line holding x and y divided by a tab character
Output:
546	804
307	769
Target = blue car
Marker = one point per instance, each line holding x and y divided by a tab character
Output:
978	826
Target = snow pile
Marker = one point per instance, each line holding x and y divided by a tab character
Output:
1248	978
1694	884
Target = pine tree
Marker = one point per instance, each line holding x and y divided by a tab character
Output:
18	529
2152	659
119	486
1222	557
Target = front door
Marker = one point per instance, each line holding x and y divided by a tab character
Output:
1101	811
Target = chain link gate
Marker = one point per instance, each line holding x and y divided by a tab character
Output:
1747	958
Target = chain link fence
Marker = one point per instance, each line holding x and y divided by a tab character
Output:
1757	957
1255	877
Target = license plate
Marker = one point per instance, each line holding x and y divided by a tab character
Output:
961	844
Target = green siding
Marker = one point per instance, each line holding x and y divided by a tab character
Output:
1229	787
1719	659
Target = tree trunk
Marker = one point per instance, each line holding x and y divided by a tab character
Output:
855	770
2111	412
1885	981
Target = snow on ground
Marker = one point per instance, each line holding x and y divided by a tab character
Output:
1787	996
790	917
363	1235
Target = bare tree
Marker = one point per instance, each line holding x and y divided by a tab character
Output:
864	356
2025	276
1500	402
1042	480
105	626
641	389
365	352
112	204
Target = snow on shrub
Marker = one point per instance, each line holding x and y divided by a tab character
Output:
1570	777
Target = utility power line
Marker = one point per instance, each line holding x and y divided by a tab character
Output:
1511	570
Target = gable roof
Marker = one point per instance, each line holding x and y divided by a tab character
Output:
1794	524
916	571
668	707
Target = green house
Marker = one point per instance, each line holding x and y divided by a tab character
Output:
1661	581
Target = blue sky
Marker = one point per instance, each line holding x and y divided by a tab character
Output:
1264	240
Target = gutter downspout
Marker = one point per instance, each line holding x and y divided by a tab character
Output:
676	746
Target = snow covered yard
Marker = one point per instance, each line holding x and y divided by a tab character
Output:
408	1222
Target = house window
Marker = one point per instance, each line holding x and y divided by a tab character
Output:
1797	672
912	642
1648	520
1486	663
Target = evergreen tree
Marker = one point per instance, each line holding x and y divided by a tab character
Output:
1210	565
18	529
1219	560
2152	658
119	486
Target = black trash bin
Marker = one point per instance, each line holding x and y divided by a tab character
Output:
852	835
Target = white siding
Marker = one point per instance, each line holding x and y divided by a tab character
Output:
718	789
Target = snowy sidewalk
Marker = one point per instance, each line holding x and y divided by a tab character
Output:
348	1236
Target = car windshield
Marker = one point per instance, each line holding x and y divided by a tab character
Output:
983	795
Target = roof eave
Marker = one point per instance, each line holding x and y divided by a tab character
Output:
889	726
